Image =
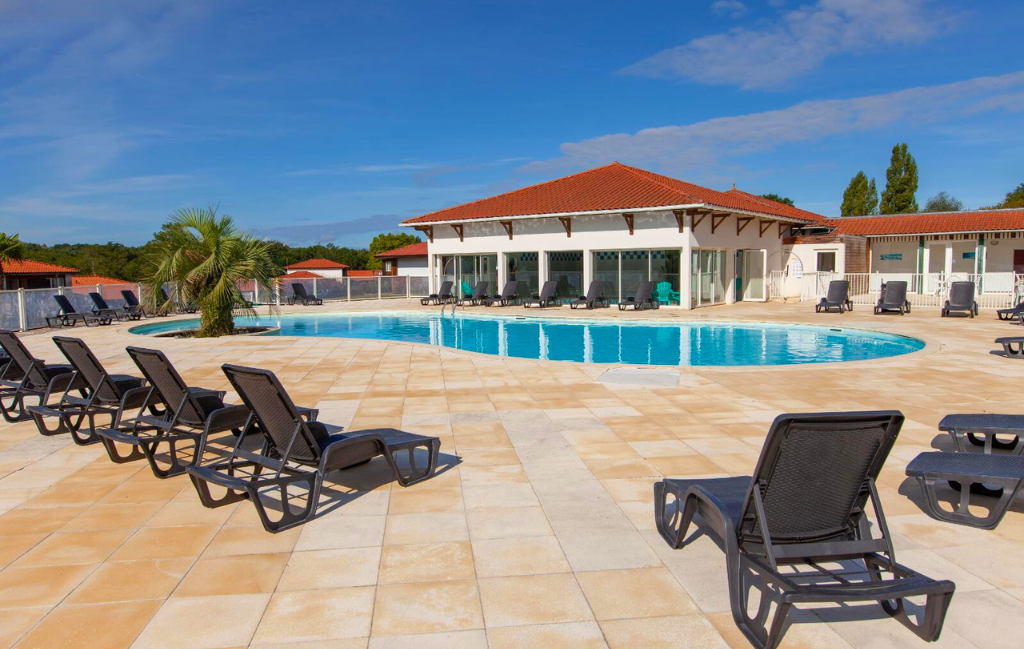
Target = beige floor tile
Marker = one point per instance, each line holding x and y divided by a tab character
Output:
40	586
535	599
650	592
17	622
111	517
243	574
428	607
99	626
411	501
251	539
315	616
200	622
339	568
404	529
13	546
680	632
119	581
73	547
507	523
330	532
571	635
499	496
535	555
806	631
426	562
70	496
37	521
190	512
164	542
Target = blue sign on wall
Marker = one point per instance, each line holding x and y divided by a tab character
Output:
969	255
892	256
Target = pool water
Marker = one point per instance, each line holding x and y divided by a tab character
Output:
589	341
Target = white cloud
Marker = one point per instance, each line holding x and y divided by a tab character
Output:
797	43
729	8
702	144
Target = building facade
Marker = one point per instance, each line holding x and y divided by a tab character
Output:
407	261
324	268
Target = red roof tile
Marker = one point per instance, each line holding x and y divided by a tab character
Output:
302	274
363	273
930	223
30	267
92	280
412	250
316	264
612	187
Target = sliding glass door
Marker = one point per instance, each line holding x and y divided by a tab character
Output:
522	268
566	269
707	277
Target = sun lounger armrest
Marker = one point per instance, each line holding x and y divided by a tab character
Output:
227	418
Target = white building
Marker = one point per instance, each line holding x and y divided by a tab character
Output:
407	261
324	268
618	224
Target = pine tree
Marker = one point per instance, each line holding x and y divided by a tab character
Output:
860	197
900	192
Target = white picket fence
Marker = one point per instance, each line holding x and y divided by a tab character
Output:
25	309
992	290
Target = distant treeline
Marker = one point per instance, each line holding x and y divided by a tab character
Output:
129	262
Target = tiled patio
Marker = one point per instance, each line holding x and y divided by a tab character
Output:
540	533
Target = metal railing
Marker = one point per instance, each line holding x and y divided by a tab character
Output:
992	290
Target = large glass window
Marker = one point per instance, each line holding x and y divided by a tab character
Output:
566	268
753	275
522	268
707	279
606	269
487	271
467	275
635	269
665	275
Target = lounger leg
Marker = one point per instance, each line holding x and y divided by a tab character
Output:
743	580
432	446
12	407
673	517
115	454
176	465
935	607
312	480
961	514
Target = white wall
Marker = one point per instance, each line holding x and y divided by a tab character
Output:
411	266
333	273
907	249
999	257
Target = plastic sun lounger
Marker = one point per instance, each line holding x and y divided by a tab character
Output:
25	376
68	316
131	304
595	295
297	454
998	476
642	300
894	298
300	295
805	509
838	297
985	432
478	297
443	295
508	295
961	299
104	310
1013	313
1013	346
102	394
546	297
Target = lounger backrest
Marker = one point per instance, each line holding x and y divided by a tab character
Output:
838	291
129	298
275	413
895	293
813	472
643	292
98	300
88	367
299	289
596	290
480	291
509	290
961	294
23	358
167	384
446	289
547	291
65	305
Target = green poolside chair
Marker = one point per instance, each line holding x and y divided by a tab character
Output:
664	294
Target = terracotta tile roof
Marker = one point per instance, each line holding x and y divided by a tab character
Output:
930	223
412	250
316	264
91	280
302	274
30	267
796	212
612	187
363	273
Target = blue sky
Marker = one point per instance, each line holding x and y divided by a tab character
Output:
331	121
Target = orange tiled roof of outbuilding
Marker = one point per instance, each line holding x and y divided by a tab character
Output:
315	264
930	223
31	267
412	250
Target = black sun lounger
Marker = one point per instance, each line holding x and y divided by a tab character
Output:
300	295
68	316
838	297
546	297
961	299
443	295
104	310
27	376
804	509
478	297
1013	313
132	306
893	298
642	300
297	454
102	393
595	295
1013	346
998	476
508	295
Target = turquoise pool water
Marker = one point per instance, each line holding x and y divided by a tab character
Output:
632	343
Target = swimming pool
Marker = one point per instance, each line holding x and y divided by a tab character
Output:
593	341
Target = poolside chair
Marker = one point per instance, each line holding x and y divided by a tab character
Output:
995	476
508	295
642	300
546	297
893	298
131	304
102	309
523	292
1013	346
297	454
479	296
443	295
190	416
595	294
804	509
664	294
26	376
68	316
838	297
299	294
103	393
1013	313
961	298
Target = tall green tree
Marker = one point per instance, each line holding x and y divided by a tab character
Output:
1014	198
778	199
860	197
205	256
10	248
943	202
900	195
388	241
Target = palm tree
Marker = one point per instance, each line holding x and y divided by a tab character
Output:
205	257
10	248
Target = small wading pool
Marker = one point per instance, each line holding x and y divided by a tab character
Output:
631	343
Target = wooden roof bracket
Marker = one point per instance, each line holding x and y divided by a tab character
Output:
716	220
783	227
508	228
680	219
697	220
459	230
567	224
428	230
742	222
629	222
764	226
